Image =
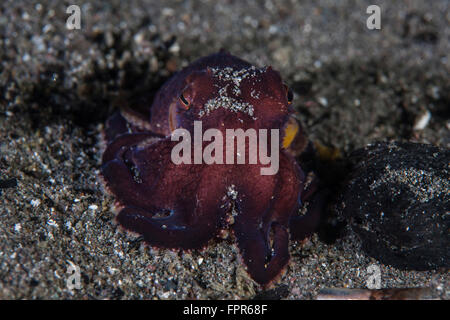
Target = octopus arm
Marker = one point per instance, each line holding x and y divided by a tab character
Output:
171	206
261	228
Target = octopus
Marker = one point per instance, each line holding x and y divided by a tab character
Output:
184	206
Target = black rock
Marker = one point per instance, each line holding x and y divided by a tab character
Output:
397	201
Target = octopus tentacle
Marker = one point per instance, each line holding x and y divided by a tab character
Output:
185	226
187	222
125	121
140	163
171	203
265	255
302	227
126	141
115	126
264	241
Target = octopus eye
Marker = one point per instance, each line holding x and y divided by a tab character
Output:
289	94
184	102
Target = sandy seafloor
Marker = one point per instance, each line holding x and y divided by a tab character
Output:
352	86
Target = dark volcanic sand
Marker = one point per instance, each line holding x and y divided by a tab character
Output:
352	86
